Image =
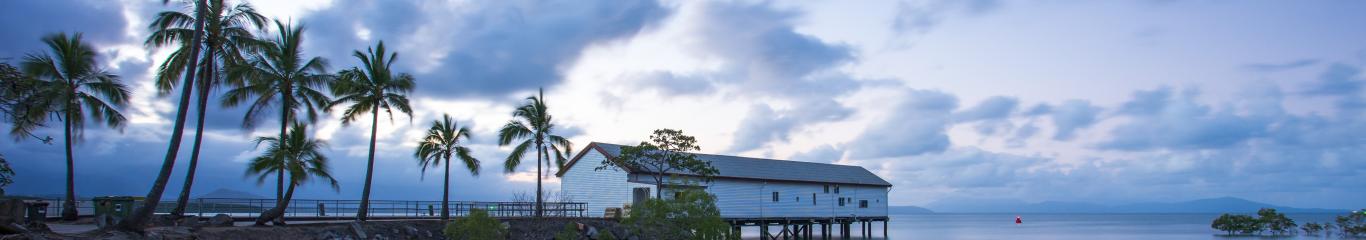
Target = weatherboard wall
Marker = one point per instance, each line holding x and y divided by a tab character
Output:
602	189
742	198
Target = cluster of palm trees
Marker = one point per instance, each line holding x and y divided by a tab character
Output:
216	46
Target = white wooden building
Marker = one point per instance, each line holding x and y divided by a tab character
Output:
745	188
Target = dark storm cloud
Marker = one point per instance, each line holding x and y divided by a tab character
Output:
484	48
26	22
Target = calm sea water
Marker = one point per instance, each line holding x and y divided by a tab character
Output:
1062	226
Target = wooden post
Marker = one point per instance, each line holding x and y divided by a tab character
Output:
763	230
884	227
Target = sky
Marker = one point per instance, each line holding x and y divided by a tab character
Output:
1092	101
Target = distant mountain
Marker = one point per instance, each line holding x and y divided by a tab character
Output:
1212	205
229	193
908	210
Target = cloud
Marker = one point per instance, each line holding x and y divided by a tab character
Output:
1073	115
820	154
997	107
1338	80
1277	67
27	22
918	125
1161	119
484	49
674	84
764	57
764	124
922	16
991	115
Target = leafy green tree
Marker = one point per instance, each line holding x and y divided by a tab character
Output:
20	99
369	89
227	38
1312	228
296	154
1353	224
437	147
692	214
1275	222
6	174
667	153
533	122
477	226
1237	223
74	88
279	74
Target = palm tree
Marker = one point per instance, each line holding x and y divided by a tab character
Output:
279	74
226	37
370	89
143	213
533	123
437	147
296	154
75	86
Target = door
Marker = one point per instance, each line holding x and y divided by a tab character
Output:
638	196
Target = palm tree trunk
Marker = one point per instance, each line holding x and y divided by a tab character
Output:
284	127
204	85
69	206
539	210
149	205
446	193
369	168
277	214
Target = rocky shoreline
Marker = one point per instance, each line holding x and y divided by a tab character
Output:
405	229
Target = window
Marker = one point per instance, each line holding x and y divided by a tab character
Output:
813	199
775	196
678	195
827	188
837	188
841	202
862	203
799	199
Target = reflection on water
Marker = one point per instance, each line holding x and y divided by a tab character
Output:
1062	226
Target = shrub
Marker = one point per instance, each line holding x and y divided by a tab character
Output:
1236	223
1353	224
692	214
1312	228
1275	222
570	232
606	235
478	225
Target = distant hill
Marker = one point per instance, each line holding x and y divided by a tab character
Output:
229	193
908	210
1211	205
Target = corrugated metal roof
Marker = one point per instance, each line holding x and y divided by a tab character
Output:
783	170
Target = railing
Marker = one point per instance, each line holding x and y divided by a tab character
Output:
244	207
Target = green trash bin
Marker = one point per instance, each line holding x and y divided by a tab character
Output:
110	210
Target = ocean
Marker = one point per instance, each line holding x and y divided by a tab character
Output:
1063	226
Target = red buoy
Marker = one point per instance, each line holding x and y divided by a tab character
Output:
1017	220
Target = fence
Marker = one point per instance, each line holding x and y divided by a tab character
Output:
244	207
